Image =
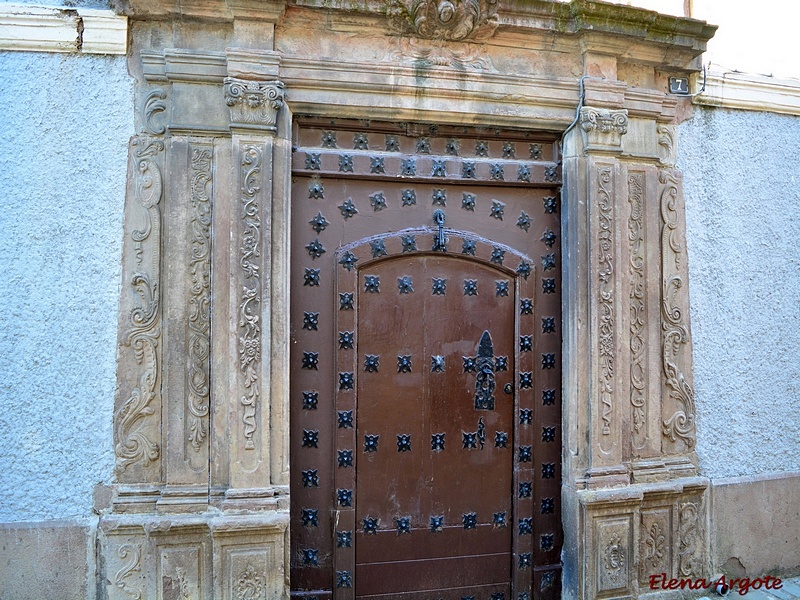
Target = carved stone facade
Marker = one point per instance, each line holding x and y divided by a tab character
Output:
201	425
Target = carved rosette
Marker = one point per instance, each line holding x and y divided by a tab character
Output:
249	319
638	309
681	424
603	128
143	332
253	104
445	20
199	301
605	296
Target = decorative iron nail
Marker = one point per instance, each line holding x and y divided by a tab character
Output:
525	454
470	287
550	174
344	539
526	526
348	260
346	381
345	458
468	201
310	321
525	489
524	560
319	223
509	150
548	434
469	364
408	198
409	243
316	190
498	254
439	169
547	541
346	301
378	248
524	173
468	172
313	161
525	416
481	148
497	210
525	380
376	164
408	167
310	400
467	597
405	284
548	506
370	525
451	147
548	324
501	439
310	517
524	221
536	151
404	442
550	204
346	339
344	579
423	146
372	284
346	163
439	197
310	438
437	523
548	397
548	262
345	418
501	363
468	247
310	360
548	361
469	440
548	580
310	556
548	470
523	596
497	171
310	478
525	343
437	364
371	363
371	443
470	520
403	525
360	141
549	238
329	139
526	306
347	208
404	363
499	519
378	201
311	277
344	497
437	441
392	143
439	286
524	269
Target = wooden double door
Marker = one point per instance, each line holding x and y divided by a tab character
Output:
425	374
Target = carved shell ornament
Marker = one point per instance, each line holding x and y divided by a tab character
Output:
448	20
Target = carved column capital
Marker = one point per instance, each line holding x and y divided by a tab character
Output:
603	128
253	104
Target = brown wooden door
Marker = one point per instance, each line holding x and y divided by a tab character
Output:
425	413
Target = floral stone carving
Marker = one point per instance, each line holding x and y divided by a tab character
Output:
450	20
254	103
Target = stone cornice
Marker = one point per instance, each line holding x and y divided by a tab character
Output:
745	91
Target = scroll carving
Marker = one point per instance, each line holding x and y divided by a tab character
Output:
153	104
199	309
689	514
131	566
674	329
615	559
667	151
605	297
250	585
249	320
446	20
144	324
638	315
254	103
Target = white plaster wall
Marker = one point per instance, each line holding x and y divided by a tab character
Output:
742	187
66	121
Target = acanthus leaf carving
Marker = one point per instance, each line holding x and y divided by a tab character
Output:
638	309
154	104
423	54
655	541
444	20
254	103
199	302
249	320
667	151
605	297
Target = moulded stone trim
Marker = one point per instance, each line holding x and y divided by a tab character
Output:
746	91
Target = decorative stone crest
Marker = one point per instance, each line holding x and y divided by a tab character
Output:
254	104
447	20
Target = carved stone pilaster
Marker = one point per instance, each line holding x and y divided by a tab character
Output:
253	104
603	128
638	330
605	297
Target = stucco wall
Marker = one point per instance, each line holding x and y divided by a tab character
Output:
66	122
742	189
